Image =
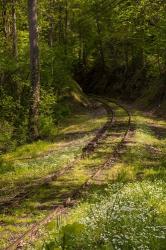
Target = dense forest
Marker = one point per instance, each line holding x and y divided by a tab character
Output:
75	77
113	47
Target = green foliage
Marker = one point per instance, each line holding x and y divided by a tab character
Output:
69	233
52	112
6	132
68	236
127	217
7	105
109	46
131	213
47	127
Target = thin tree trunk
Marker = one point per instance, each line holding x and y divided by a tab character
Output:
51	45
60	25
126	58
4	17
66	25
100	42
80	48
34	68
51	35
15	49
51	31
84	56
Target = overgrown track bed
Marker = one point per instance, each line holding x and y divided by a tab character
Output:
115	153
72	199
86	151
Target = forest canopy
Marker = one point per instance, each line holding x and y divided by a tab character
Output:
105	46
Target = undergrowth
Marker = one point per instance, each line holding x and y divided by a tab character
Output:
128	216
27	168
129	212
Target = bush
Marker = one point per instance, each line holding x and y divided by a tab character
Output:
51	112
7	106
47	127
6	132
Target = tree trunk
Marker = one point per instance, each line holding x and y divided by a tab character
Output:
66	26
34	68
4	17
100	42
15	49
60	25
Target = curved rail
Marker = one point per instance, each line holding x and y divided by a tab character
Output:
71	201
86	151
111	160
101	134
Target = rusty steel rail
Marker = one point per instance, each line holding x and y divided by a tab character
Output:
71	201
86	151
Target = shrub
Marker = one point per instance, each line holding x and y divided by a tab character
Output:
6	132
47	127
51	112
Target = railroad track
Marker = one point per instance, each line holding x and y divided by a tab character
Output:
86	151
73	199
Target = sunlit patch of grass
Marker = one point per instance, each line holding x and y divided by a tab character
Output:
15	172
143	166
84	127
30	150
136	164
125	216
86	167
145	158
51	156
37	205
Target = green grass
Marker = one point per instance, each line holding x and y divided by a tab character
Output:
71	181
146	157
45	158
125	208
140	168
43	198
